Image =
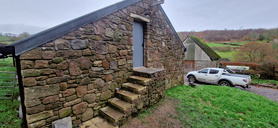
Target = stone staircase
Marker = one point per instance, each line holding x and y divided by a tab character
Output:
134	96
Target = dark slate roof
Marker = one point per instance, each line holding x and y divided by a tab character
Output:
210	52
43	37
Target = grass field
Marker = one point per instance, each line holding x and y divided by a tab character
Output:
229	54
4	38
216	45
223	44
218	106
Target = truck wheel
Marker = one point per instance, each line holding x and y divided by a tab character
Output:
224	83
191	79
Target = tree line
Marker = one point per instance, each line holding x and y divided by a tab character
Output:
14	37
233	35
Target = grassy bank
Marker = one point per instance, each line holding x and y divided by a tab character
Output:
216	106
9	114
9	110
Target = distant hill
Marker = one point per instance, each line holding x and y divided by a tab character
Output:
233	35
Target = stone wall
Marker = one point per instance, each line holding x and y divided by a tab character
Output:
162	49
74	75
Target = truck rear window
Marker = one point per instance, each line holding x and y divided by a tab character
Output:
213	71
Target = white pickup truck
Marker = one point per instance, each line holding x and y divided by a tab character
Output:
219	76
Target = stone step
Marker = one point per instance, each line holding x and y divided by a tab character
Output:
97	122
138	89
139	80
128	96
121	105
147	72
112	115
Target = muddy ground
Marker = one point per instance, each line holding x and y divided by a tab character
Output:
163	115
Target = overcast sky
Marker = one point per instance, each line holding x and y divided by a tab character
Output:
17	16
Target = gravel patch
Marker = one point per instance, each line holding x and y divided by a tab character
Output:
269	93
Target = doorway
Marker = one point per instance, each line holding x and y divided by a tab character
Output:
138	44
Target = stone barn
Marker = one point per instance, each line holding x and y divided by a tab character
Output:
107	65
199	55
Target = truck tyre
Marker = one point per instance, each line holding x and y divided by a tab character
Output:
191	79
225	83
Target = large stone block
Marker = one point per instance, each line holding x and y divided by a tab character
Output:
35	109
101	47
65	112
58	60
95	37
109	32
48	55
63	65
47	71
79	44
63	86
99	30
90	98
81	91
74	68
29	81
122	62
62	54
105	64
85	63
88	114
113	65
106	95
32	103
39	116
54	80
108	77
65	78
118	34
113	49
61	44
41	91
98	63
75	53
50	99
69	92
33	54
37	124
27	64
68	104
123	52
87	52
85	81
79	108
71	98
31	73
98	83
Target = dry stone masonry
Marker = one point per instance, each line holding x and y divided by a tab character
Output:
76	74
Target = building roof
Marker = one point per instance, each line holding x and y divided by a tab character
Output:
210	52
48	35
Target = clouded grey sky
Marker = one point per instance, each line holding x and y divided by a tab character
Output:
186	15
